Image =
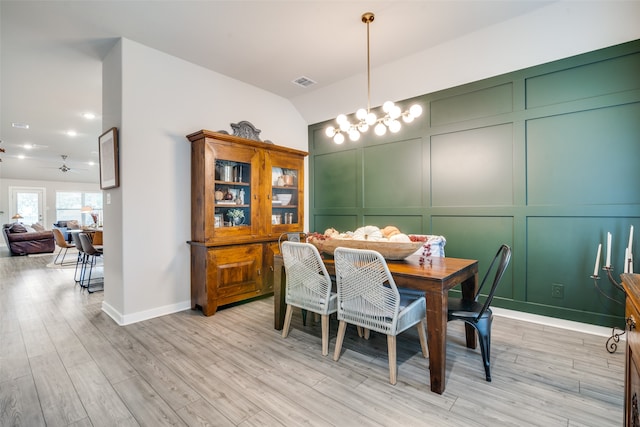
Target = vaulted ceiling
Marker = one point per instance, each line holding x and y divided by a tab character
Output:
51	53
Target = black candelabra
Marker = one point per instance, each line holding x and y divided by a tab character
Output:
616	333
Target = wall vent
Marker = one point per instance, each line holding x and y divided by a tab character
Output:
304	81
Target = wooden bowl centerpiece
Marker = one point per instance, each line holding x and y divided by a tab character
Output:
392	251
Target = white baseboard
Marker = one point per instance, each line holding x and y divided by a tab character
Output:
127	319
554	322
586	328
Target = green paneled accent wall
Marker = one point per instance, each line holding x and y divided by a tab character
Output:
486	154
545	159
600	149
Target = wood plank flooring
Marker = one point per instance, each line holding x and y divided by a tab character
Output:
64	362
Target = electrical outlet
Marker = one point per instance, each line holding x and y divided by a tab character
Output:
557	290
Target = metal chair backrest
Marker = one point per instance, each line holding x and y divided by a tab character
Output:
87	246
498	266
76	240
367	293
308	282
60	241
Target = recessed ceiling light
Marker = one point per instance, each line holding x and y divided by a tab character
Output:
92	163
21	156
72	133
20	125
27	146
89	116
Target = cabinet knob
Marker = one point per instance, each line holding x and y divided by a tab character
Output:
631	323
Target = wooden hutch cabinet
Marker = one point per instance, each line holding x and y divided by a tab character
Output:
244	195
631	284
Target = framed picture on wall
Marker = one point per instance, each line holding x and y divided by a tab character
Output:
108	149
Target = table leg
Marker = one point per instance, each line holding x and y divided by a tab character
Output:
469	288
437	303
278	293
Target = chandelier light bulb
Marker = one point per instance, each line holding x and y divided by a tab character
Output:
407	118
380	129
354	135
415	110
341	119
330	131
344	126
387	106
338	138
371	119
394	126
395	112
363	127
361	114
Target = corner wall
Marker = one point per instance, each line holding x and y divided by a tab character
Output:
163	99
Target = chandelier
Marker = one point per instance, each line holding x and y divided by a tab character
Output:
365	118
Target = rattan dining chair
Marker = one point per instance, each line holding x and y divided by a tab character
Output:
368	298
308	286
64	246
478	314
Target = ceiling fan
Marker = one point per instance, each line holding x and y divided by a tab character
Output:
64	168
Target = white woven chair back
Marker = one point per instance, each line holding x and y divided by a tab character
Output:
367	293
308	282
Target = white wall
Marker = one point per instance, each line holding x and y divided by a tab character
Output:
560	30
50	188
163	99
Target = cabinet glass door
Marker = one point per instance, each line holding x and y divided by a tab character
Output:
232	194
285	196
235	192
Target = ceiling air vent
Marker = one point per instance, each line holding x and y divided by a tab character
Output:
304	81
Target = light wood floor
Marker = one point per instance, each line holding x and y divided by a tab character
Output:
64	362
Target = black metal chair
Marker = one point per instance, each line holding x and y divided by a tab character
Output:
479	314
82	257
91	254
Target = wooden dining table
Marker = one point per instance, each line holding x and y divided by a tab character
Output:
436	276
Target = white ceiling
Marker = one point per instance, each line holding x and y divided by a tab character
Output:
51	54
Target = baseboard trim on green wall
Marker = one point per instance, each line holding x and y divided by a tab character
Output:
554	322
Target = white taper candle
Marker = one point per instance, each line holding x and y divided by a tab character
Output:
597	267
608	264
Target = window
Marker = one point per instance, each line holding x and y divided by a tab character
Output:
69	206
